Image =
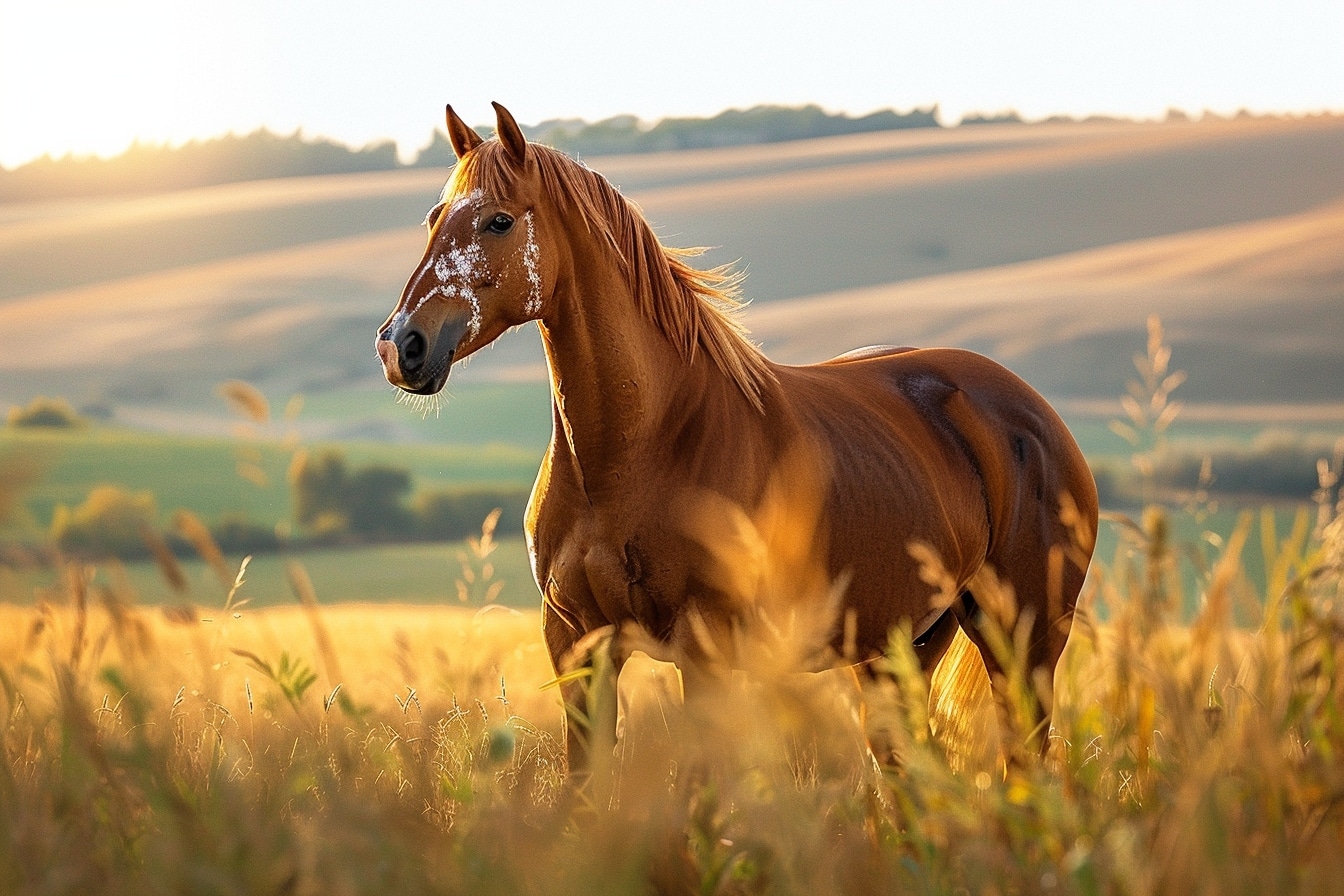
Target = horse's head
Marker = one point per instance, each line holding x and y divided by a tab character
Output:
483	271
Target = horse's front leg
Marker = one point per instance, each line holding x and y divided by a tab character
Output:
587	669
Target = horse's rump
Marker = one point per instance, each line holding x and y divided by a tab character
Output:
940	447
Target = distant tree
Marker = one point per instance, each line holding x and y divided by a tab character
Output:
975	118
735	127
331	499
236	534
146	168
318	487
50	412
1275	466
374	499
438	154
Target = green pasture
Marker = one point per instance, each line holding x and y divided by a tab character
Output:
477	414
427	574
217	476
482	434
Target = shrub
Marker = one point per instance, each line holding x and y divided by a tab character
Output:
317	485
452	514
49	412
236	534
373	499
1276	465
111	522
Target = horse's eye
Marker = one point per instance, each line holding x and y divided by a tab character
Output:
500	223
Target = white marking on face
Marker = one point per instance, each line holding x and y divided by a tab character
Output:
531	256
459	267
473	198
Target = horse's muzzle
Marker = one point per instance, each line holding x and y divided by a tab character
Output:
415	363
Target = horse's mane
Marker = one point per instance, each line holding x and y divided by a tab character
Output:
695	309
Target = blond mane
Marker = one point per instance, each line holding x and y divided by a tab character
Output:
695	309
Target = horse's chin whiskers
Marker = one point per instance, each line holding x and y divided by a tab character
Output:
424	404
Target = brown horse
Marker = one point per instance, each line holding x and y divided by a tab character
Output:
658	397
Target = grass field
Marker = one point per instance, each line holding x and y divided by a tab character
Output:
382	749
417	574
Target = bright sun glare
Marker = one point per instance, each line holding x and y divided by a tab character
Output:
90	77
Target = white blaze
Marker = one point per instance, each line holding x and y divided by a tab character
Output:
459	267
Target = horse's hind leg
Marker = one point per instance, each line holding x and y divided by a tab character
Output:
1019	619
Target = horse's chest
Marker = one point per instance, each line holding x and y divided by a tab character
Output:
597	571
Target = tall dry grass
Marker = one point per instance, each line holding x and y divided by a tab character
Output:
147	752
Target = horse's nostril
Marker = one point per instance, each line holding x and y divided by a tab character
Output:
412	348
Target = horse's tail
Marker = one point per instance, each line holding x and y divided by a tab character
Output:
961	711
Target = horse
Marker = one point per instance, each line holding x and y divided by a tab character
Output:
660	399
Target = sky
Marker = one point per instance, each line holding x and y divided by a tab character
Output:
91	76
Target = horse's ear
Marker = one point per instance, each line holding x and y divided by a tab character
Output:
460	135
510	134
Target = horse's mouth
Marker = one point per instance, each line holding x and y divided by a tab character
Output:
436	376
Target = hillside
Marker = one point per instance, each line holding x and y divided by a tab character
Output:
1253	307
1045	245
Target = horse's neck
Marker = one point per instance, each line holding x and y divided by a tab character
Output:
615	378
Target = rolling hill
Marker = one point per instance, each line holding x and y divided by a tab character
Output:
1044	245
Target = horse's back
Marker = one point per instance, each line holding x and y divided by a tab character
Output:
869	352
953	385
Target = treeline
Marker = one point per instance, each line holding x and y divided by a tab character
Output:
333	503
735	127
1277	467
262	154
151	169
